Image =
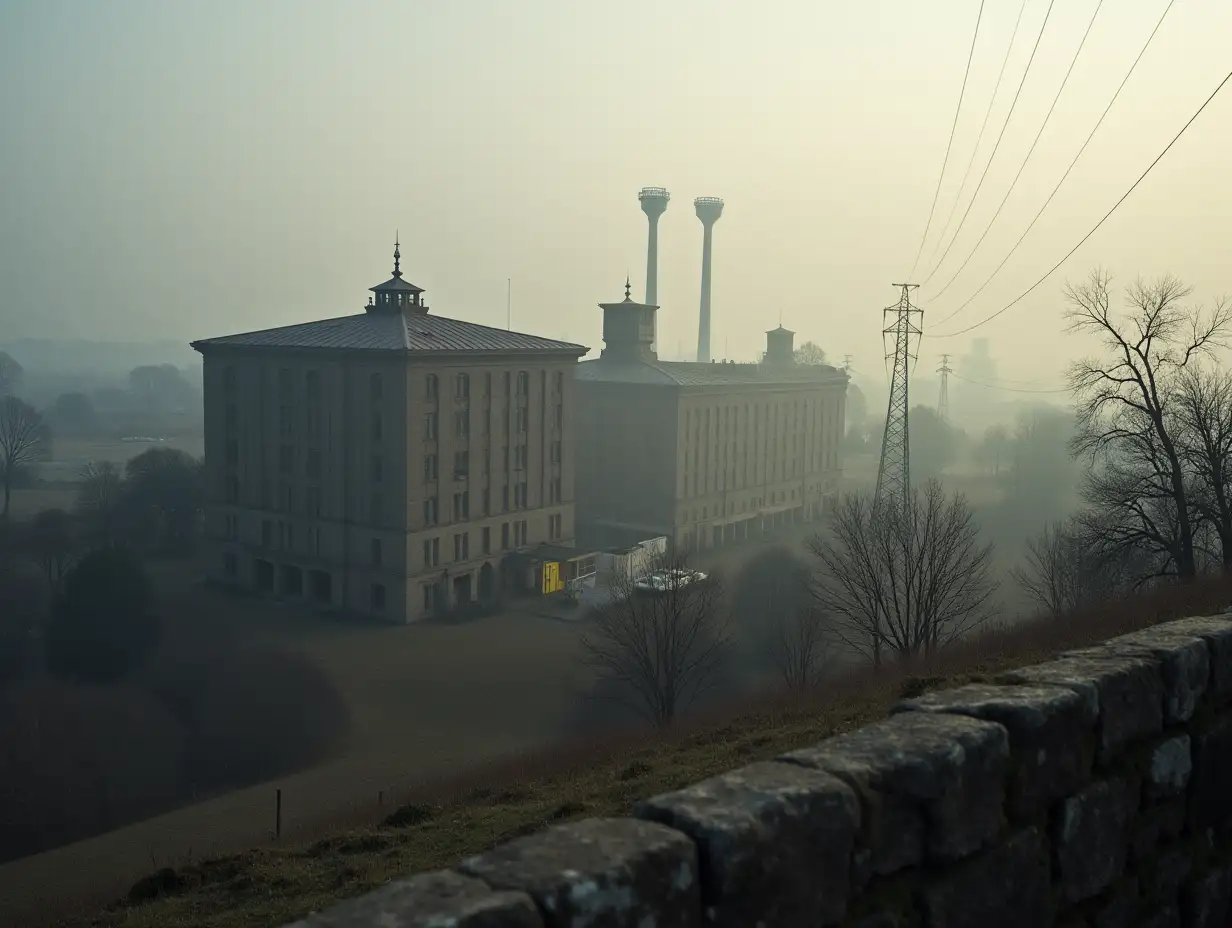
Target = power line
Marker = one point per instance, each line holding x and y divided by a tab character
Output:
1030	152
993	386
949	144
979	138
1123	198
1035	219
1005	125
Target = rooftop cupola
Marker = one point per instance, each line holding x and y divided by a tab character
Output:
396	295
629	329
780	346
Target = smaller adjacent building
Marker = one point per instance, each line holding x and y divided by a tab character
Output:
702	453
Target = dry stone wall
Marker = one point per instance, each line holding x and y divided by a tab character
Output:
1093	791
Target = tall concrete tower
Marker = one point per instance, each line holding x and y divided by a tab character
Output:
709	209
654	202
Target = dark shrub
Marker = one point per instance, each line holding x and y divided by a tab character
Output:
102	623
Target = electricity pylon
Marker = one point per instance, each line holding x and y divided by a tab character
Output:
894	470
943	399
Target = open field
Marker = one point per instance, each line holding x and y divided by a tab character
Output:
277	882
426	702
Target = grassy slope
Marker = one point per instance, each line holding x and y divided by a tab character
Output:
274	885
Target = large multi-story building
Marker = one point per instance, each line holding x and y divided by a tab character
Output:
386	462
703	453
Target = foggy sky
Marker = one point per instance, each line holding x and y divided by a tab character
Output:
181	170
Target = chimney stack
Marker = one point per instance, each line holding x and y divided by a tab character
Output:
709	209
654	202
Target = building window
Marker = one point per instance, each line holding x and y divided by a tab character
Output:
504	499
487	384
487	501
314	502
378	597
431	510
376	508
554	490
461	547
522	417
313	462
285	459
556	452
431	387
233	452
284	385
505	536
461	465
523	383
375	387
228	381
430	427
505	459
378	469
487	540
462	423
377	426
431	552
554	527
429	597
462	386
461	506
313	382
507	381
376	552
233	490
559	380
429	468
267	533
284	420
558	416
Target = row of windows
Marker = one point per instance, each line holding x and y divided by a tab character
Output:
462	384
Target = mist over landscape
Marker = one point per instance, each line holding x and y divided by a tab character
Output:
422	425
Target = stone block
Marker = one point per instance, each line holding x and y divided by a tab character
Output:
1118	906
431	900
1216	631
931	785
1210	799
1008	886
1170	767
1155	825
1161	876
1206	901
1125	693
1090	837
1165	916
622	873
1183	659
774	843
1051	731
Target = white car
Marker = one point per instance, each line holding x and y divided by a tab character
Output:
663	581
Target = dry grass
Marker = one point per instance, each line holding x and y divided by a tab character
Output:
456	817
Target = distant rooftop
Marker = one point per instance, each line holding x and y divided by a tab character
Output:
697	374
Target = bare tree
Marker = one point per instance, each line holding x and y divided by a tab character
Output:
24	439
809	353
101	501
1067	569
903	579
1127	405
1204	409
659	649
799	648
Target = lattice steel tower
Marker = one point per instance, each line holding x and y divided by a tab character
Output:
943	397
902	329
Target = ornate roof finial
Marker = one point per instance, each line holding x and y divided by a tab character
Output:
627	288
397	256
